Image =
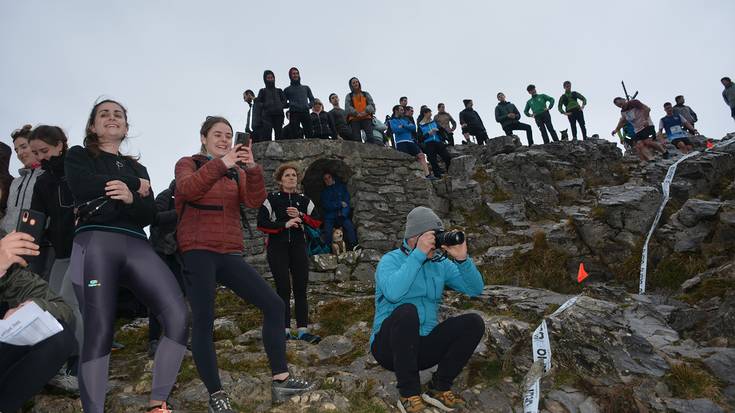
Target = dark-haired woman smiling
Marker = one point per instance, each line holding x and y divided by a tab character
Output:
114	203
210	186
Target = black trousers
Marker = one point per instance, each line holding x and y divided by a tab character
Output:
203	270
304	119
509	128
24	370
447	136
268	123
543	121
433	149
577	116
288	262
479	134
365	125
399	347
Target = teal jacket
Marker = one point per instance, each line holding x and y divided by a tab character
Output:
537	104
409	278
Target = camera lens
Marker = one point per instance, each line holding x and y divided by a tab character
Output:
449	238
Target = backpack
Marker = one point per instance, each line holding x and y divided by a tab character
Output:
314	243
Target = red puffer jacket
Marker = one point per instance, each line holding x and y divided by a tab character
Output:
208	203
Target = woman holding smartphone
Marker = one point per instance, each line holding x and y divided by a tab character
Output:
210	186
114	202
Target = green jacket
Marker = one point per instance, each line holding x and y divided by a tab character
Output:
569	101
19	285
537	104
502	111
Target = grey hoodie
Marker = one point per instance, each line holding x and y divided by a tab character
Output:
19	198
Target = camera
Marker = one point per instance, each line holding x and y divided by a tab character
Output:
448	238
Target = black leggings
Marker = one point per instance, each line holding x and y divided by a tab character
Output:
24	370
290	258
202	271
172	262
304	119
101	262
399	347
268	123
433	149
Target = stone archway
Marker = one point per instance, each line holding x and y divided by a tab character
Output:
313	182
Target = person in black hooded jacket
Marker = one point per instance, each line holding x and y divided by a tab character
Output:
300	100
271	101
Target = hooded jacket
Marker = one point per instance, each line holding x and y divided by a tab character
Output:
350	104
402	128
472	119
502	111
270	100
52	196
331	199
87	175
5	178
208	202
322	125
299	96
163	230
407	277
19	285
19	197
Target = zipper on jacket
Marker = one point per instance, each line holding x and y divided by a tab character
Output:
20	187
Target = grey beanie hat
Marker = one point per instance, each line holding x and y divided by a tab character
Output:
420	220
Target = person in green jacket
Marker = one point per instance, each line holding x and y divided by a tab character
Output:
24	370
539	110
508	116
569	106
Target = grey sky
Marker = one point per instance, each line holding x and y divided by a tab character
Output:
173	63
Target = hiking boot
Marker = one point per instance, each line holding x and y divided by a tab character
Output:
412	404
444	400
282	391
219	402
308	337
162	408
65	381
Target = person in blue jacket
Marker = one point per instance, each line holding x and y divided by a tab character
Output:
403	130
335	202
433	142
406	335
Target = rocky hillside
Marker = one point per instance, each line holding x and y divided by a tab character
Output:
532	216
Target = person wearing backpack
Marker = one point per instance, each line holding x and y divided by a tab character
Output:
210	239
283	216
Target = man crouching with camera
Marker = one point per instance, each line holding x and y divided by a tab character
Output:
406	336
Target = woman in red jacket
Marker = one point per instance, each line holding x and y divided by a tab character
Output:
210	186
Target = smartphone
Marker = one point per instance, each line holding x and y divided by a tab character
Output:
242	138
32	223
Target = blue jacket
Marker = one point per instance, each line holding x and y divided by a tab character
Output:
331	199
411	279
425	128
402	129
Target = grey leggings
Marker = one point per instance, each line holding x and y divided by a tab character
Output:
101	262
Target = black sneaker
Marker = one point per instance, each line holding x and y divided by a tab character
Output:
282	391
308	337
219	402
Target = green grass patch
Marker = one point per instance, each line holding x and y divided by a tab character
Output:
481	176
363	401
711	287
498	195
688	381
542	267
676	268
335	317
599	213
245	315
484	371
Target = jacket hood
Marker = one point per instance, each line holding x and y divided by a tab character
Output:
269	85
294	82
349	83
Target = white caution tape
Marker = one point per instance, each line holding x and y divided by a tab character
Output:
541	351
665	186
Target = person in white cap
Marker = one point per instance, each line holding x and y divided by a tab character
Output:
406	335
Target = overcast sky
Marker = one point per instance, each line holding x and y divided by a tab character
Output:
173	63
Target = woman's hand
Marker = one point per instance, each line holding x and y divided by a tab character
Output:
293	212
246	155
119	191
145	187
13	310
239	154
293	222
12	247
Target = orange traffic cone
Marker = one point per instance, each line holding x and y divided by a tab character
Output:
581	274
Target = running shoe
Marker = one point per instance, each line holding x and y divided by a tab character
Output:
161	408
413	404
444	400
65	381
282	391
308	337
219	402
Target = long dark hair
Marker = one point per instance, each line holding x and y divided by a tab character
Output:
50	135
91	140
